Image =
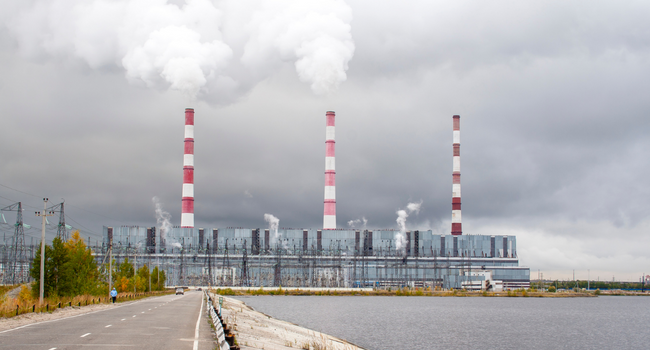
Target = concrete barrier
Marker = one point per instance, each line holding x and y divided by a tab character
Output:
221	336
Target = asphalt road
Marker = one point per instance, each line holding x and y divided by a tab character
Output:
167	322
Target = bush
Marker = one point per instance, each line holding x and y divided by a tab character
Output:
551	289
597	292
25	294
227	291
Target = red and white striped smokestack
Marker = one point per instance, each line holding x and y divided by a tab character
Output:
329	215
187	213
456	223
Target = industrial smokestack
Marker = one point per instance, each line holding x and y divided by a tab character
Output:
329	215
456	223
187	213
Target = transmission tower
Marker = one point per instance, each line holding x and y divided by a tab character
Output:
181	277
61	230
277	274
244	268
225	265
209	264
17	272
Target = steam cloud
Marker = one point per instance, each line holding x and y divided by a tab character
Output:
354	223
203	48
400	237
163	220
274	223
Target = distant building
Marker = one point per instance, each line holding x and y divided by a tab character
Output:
481	281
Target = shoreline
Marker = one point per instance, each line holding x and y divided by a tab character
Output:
413	292
255	330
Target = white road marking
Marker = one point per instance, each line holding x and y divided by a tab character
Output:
123	319
52	349
133	315
196	331
108	326
84	335
142	311
65	318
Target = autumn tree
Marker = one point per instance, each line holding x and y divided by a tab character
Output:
70	269
158	278
142	283
80	268
123	277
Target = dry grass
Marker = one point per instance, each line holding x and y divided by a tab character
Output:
10	307
5	289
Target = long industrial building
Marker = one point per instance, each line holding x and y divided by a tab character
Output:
317	258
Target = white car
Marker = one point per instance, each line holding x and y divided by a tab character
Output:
180	291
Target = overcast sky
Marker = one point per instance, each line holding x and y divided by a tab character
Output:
553	98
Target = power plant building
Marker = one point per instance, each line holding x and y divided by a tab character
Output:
327	257
318	258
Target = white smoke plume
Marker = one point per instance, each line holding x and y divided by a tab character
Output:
400	237
354	223
190	47
274	223
163	220
314	33
414	207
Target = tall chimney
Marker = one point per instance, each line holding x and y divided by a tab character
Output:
187	213
329	215
456	224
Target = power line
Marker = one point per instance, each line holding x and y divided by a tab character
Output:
11	188
14	201
91	212
82	226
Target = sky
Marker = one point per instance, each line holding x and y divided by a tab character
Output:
553	99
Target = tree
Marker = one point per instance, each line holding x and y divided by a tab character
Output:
123	277
82	276
56	258
143	278
70	269
156	282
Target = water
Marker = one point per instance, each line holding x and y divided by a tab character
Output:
469	323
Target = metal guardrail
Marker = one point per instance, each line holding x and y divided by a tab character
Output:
214	315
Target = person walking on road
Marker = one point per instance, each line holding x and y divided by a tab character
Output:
113	295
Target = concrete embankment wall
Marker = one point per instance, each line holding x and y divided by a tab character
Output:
255	330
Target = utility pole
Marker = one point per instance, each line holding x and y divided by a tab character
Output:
135	264
43	214
110	259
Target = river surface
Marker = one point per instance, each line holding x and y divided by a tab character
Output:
375	323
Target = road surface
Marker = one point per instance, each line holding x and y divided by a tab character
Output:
167	322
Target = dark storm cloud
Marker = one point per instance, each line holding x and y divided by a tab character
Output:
554	131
